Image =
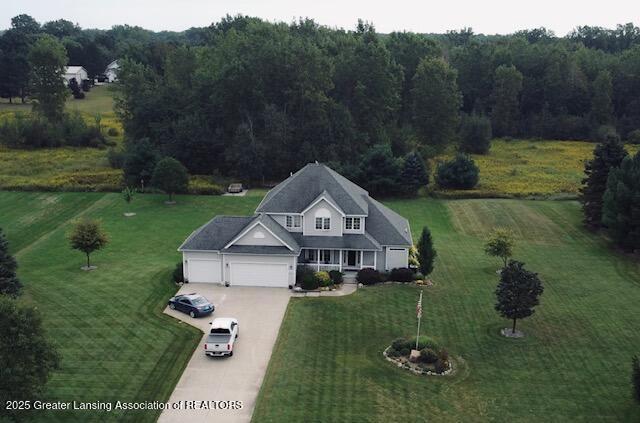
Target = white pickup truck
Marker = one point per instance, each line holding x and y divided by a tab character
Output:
222	336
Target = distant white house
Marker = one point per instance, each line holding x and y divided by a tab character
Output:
77	72
111	72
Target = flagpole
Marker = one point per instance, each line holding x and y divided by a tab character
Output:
419	318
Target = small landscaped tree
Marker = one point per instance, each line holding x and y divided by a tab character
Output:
500	244
88	236
635	377
414	173
170	176
426	252
127	195
9	283
26	355
517	293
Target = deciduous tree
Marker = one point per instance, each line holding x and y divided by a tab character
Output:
500	244
48	60
88	236
505	112
170	176
518	292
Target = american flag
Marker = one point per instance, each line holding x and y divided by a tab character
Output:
419	307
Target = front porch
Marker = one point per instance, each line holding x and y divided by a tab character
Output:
337	259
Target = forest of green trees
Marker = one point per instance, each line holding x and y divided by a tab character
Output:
255	99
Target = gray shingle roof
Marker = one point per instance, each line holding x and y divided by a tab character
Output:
348	241
219	231
296	192
216	233
387	226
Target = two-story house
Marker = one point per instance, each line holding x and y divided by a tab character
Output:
316	217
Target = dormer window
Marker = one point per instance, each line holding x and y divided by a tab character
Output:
293	221
352	223
323	220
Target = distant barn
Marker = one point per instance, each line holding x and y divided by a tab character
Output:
77	72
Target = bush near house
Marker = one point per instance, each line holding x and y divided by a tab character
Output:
401	274
336	277
310	281
178	273
369	276
323	278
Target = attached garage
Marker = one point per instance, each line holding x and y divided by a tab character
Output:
259	274
396	257
204	270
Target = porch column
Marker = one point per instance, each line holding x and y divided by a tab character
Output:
361	257
318	259
340	268
375	257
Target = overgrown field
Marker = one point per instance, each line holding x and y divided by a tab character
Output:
523	168
574	364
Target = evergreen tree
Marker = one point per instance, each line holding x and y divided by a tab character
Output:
170	176
9	283
380	171
426	252
605	156
414	173
458	173
475	134
505	113
517	293
621	203
436	102
48	60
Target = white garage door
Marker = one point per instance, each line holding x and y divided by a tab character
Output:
397	257
204	271
260	274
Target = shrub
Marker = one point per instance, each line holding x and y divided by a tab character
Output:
441	366
78	95
392	352
443	355
634	136
310	281
401	274
113	132
459	173
418	276
323	278
301	272
429	356
399	343
116	158
475	134
336	277
178	273
369	276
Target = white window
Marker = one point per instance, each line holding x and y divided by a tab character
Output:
352	223
323	219
326	223
325	256
293	221
319	223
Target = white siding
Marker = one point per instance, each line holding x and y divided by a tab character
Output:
282	220
258	236
202	266
309	220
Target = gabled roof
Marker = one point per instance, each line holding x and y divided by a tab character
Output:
387	226
74	69
221	230
295	193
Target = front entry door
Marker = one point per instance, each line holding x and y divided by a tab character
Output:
351	258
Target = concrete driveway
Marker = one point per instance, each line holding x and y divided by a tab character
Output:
259	312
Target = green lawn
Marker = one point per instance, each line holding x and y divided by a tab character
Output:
98	100
107	324
574	365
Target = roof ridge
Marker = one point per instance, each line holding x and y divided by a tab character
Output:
333	174
281	185
384	210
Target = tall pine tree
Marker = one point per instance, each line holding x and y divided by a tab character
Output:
414	173
426	253
621	204
9	283
605	156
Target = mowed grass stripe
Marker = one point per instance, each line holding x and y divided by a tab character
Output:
573	366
